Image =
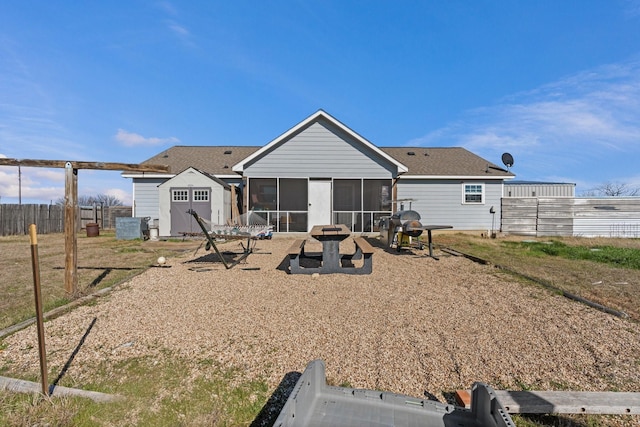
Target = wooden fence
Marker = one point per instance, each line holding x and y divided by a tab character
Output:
568	216
15	219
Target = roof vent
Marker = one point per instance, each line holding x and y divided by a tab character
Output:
227	152
226	166
411	153
165	156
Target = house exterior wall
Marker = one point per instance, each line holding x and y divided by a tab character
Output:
146	200
441	202
220	198
320	151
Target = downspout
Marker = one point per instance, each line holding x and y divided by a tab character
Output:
394	194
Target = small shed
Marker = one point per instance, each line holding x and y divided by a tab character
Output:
195	190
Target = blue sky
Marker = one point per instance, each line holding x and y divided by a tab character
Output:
555	83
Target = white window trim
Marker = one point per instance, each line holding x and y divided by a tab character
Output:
464	193
201	195
182	192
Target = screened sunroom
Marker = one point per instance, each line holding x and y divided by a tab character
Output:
286	203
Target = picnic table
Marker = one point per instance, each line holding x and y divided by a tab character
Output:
331	260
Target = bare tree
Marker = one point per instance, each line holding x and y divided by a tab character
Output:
613	189
107	200
100	199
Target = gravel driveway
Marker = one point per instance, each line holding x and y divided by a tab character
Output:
415	325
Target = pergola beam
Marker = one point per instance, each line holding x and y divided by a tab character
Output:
71	203
85	165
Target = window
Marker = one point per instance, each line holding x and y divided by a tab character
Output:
180	195
347	194
473	193
376	194
200	195
263	193
293	194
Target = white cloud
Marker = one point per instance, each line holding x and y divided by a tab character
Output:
124	196
179	30
34	183
586	126
131	139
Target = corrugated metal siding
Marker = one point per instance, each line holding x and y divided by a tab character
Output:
320	150
146	197
555	216
520	216
539	190
531	216
611	217
440	202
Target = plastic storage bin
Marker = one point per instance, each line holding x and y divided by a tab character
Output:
314	403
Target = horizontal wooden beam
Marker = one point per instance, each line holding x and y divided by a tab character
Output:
131	167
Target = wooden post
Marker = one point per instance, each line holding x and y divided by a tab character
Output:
38	296
235	213
71	204
70	236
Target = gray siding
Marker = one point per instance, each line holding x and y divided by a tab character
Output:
440	202
146	199
320	151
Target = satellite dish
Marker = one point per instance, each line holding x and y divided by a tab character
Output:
507	159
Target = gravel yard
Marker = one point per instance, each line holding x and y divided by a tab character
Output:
415	325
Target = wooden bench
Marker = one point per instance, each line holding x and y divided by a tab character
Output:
363	249
362	245
295	252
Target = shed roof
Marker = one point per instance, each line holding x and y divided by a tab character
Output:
514	182
207	175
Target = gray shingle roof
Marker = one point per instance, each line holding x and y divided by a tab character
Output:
214	160
445	161
437	161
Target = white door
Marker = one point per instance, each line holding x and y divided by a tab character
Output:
319	202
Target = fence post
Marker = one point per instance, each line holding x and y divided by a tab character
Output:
70	230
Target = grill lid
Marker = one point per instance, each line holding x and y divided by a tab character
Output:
407	215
